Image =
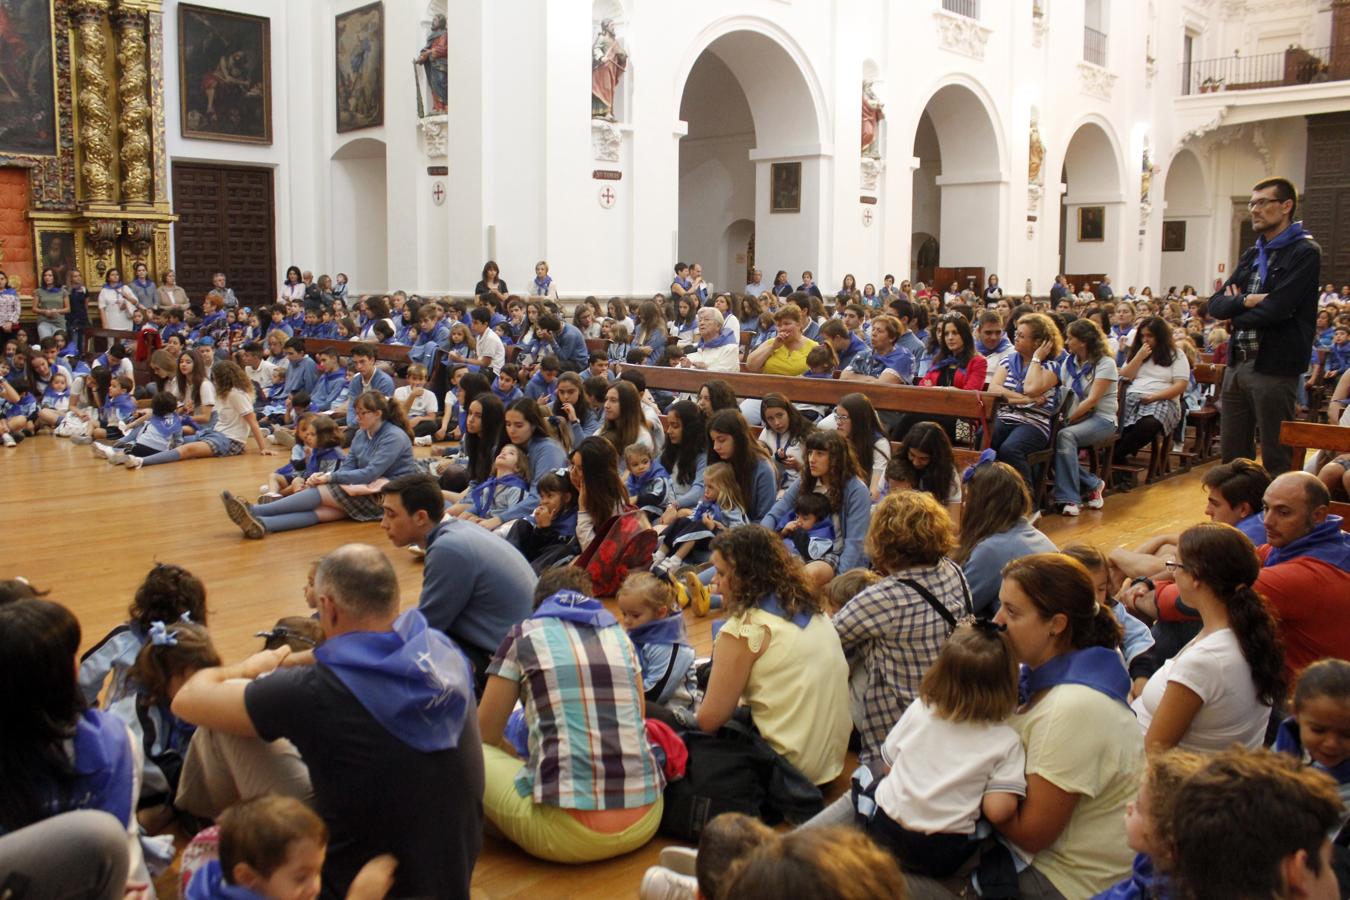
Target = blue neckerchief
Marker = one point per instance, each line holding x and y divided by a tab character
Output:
1143	884
769	603
810	374
541	287
1076	374
1254	527
1099	668
208	883
413	680
1288	740
708	508
550	386
1326	543
103	766
1018	371
669	630
654	471
53	397
823	531
722	340
947	361
576	608
321	456
482	494
893	361
1003	344
1263	247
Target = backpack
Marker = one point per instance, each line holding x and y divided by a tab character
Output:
621	545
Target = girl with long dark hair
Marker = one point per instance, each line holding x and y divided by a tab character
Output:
1089	371
784	436
925	462
685	455
601	494
1158	374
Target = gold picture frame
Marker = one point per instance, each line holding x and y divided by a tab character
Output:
1091	224
785	181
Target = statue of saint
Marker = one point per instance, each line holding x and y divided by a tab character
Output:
1146	178
433	60
1036	156
609	59
872	114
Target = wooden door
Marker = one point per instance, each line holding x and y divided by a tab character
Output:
225	224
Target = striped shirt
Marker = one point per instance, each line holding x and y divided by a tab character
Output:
582	691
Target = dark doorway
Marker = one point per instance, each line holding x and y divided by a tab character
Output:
225	224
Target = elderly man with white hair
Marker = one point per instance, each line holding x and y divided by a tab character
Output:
716	349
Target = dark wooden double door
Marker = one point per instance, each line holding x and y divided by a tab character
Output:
225	224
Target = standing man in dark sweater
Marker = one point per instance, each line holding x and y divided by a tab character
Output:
1271	299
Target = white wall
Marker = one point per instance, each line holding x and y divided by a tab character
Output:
359	216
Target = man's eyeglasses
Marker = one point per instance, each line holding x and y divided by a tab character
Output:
1262	201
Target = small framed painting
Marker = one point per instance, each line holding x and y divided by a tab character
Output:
1174	236
1091	223
787	187
57	249
360	68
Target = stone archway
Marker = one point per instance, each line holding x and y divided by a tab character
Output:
360	236
1093	225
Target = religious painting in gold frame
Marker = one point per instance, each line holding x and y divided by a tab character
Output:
28	115
1091	224
224	75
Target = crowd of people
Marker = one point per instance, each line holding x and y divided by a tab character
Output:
1067	722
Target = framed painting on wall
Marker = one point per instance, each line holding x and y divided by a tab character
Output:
225	76
787	187
359	44
1091	223
1174	236
57	248
27	86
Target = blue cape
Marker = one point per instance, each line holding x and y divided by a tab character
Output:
637	485
669	630
726	337
413	680
1326	543
1293	233
1099	668
576	608
208	883
769	603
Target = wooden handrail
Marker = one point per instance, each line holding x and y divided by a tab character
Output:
1302	436
976	405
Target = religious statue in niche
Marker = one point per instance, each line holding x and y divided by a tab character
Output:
433	60
1036	154
609	59
872	114
1146	178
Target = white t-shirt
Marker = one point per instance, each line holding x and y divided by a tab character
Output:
1153	378
116	308
941	770
425	405
491	346
208	394
1213	666
230	415
262	375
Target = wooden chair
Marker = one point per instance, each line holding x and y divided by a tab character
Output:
1206	419
1045	459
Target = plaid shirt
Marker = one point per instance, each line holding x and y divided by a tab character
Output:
895	635
582	690
1246	341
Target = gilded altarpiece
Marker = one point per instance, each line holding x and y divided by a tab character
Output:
103	187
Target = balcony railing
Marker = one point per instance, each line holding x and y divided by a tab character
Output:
1244	73
968	8
1094	46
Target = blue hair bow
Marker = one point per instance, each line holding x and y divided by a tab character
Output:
986	457
160	636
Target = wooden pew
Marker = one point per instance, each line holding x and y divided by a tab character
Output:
394	353
1304	436
976	405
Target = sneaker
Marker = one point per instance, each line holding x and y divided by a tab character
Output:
1070	509
663	566
134	462
80	439
271	437
267	497
7	439
700	598
118	458
680	860
417	552
1095	500
102	451
283	438
422	440
660	883
240	515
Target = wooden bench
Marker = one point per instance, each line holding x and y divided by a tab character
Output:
975	405
97	340
1305	436
394	353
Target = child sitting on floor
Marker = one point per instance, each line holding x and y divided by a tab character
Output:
158	428
319	450
547	536
648	482
656	628
811	534
722	507
1147	826
1318	732
688	873
510	482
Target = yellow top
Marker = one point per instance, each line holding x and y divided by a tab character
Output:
783	361
798	690
1083	742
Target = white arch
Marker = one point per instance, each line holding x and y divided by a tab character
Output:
730	25
1117	149
1195	166
360	148
359	197
987	101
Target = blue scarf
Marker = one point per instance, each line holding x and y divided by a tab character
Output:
208	883
708	508
413	680
892	360
1326	543
726	337
316	459
1018	371
769	603
541	287
1254	527
684	283
1099	668
53	397
1143	884
809	374
637	485
103	766
669	630
1076	374
1263	247
1287	740
576	608
565	524
485	492
1003	344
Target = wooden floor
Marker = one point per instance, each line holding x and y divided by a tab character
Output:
88	532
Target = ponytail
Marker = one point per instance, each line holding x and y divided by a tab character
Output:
1258	636
1102	630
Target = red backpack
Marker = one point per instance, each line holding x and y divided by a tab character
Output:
621	545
